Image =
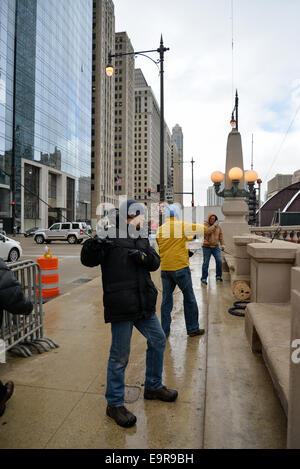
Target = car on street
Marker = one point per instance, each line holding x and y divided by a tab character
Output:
10	250
31	232
73	232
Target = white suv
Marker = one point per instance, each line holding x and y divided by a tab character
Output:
10	250
74	232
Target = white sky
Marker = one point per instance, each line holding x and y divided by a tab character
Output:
198	77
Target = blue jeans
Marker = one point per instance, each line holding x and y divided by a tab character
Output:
183	279
119	356
207	252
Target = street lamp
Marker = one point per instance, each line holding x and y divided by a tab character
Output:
109	72
235	174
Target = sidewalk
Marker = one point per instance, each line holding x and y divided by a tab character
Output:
59	398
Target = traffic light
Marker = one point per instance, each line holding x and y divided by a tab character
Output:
149	192
253	205
192	203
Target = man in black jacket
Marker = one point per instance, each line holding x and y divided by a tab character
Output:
129	298
12	299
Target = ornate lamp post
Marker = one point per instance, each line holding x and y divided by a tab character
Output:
235	174
109	72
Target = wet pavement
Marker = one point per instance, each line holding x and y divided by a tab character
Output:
225	398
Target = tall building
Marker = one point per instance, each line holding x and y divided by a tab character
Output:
103	118
277	183
45	110
212	199
177	163
124	130
147	143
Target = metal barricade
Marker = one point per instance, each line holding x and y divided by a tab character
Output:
23	334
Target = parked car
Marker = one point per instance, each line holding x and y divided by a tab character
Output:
31	232
10	250
74	232
3	232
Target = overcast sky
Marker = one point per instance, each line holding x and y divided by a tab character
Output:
198	77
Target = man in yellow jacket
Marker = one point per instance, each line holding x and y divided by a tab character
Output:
171	238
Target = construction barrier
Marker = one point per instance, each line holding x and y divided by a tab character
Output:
50	276
23	334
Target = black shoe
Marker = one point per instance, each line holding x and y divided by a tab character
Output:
2	410
9	392
163	394
219	279
203	282
121	416
198	332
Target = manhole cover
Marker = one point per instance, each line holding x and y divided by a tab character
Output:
132	393
80	281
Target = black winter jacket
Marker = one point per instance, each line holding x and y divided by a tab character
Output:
128	291
12	297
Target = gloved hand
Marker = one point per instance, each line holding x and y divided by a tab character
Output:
222	247
216	223
139	257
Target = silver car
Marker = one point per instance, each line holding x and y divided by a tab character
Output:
74	232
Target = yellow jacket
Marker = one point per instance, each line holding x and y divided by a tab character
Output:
171	238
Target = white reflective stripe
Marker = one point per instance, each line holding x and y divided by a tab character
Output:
49	287
49	272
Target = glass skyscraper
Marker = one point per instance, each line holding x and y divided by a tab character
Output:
45	108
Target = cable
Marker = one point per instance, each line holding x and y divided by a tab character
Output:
281	145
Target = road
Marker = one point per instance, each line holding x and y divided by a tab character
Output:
71	272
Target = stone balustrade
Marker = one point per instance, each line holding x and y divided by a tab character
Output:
284	233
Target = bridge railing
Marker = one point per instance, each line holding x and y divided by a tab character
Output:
283	233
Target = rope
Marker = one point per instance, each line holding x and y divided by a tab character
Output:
236	306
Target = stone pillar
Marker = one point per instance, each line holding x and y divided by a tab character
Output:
271	265
293	440
234	208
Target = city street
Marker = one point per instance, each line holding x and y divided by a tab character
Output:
71	272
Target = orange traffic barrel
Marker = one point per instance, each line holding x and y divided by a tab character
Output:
50	277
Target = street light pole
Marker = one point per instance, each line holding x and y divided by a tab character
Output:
109	71
193	182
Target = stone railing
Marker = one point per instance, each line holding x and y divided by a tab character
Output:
284	233
272	321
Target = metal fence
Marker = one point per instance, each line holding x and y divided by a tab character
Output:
24	334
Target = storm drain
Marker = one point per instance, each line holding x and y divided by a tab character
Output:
132	393
81	281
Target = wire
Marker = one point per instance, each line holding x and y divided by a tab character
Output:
283	140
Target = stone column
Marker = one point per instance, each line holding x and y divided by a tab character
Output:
234	208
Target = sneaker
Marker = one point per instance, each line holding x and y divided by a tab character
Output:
198	332
163	394
203	282
9	392
219	279
121	416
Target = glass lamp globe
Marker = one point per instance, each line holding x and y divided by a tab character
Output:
217	177
109	70
235	174
251	176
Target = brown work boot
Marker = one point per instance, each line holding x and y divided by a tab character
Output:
121	416
163	394
198	332
9	392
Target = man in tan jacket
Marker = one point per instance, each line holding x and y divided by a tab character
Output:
212	239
